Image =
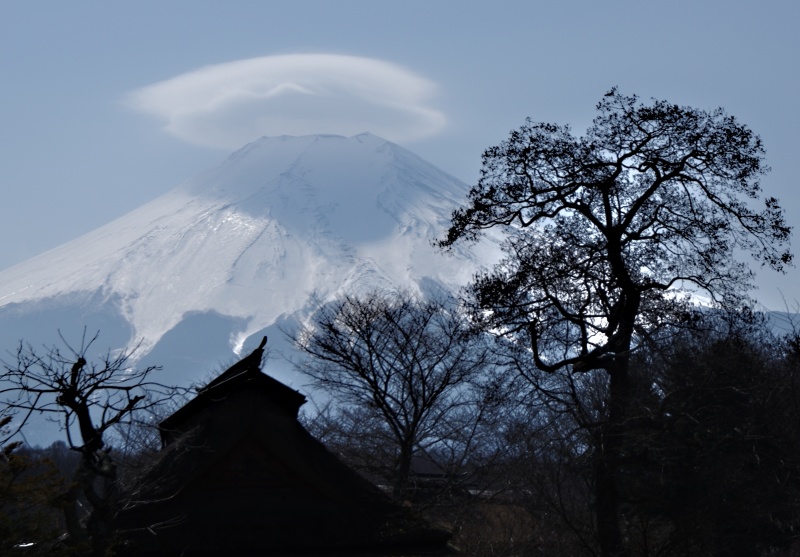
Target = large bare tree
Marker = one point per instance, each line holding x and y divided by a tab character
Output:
609	236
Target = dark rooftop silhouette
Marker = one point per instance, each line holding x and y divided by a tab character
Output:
239	475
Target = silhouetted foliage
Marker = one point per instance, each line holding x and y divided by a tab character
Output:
608	234
712	459
29	488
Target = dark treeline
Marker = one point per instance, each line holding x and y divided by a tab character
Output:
37	490
710	463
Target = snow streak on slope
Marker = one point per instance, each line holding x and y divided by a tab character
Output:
253	239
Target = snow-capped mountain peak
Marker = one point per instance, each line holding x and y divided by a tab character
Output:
251	240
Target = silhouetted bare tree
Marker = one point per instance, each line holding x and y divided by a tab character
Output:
608	234
89	400
411	371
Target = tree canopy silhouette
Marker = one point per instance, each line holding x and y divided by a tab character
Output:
609	235
413	366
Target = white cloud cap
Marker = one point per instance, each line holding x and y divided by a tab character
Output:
228	105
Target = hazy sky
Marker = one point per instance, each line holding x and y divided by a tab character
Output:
105	105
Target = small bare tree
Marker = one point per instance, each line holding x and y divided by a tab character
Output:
88	400
408	368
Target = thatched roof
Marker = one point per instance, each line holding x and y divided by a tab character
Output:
239	475
246	373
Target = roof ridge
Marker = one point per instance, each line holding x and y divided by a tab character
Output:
242	366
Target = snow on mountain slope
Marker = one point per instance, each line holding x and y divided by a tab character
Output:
281	219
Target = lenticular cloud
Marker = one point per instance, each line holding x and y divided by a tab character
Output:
228	105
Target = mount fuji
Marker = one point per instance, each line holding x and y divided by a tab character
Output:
200	273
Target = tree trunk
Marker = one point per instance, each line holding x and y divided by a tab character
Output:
99	525
402	470
606	467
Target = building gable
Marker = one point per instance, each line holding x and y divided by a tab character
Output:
238	474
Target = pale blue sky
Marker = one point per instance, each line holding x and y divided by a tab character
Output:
445	78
